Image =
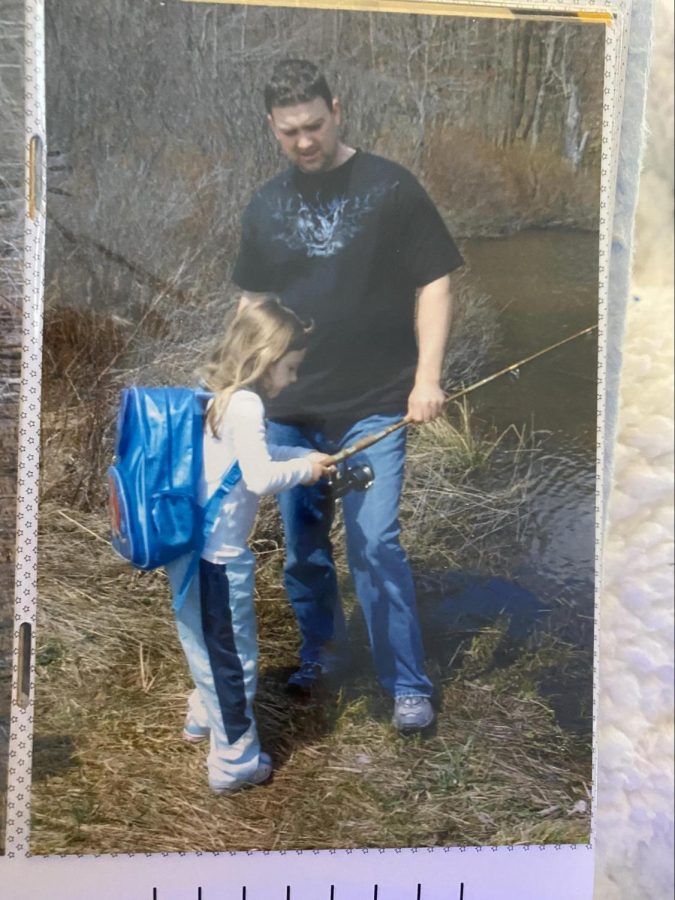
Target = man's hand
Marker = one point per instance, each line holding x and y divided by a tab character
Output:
425	402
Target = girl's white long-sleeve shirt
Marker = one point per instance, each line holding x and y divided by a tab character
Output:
266	469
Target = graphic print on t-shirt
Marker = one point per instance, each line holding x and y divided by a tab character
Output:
323	228
346	250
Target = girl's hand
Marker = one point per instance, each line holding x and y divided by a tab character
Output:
321	467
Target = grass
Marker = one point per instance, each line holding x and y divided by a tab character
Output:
504	189
462	487
111	773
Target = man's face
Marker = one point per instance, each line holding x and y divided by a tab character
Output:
308	133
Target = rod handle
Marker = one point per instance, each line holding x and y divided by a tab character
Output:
367	441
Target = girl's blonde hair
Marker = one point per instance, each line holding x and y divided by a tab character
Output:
261	333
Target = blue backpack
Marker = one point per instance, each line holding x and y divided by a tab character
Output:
153	483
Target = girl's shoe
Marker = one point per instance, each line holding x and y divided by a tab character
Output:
261	774
193	733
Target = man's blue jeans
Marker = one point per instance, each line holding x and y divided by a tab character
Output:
378	563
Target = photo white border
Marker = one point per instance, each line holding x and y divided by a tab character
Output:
418	874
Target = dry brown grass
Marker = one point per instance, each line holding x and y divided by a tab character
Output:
111	773
110	770
455	501
505	189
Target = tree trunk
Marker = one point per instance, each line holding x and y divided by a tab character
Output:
523	71
537	117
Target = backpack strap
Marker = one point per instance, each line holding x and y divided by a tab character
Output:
209	515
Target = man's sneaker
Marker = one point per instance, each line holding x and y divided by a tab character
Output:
194	734
412	713
306	679
261	774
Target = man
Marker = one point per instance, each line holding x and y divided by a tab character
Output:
349	241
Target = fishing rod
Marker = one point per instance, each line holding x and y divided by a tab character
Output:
371	439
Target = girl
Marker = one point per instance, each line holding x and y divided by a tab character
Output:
259	357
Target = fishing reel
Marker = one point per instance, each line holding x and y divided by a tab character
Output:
351	478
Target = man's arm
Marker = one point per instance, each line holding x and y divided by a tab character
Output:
434	315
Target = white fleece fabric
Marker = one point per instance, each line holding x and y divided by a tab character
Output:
635	715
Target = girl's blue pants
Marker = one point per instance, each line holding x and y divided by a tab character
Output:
217	629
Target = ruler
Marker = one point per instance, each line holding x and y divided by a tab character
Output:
535	872
331	894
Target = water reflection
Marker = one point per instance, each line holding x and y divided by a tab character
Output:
543	287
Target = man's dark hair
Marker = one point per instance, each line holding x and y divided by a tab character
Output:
296	81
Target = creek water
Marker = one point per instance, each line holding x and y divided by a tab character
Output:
542	287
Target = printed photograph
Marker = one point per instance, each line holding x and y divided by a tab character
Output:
319	429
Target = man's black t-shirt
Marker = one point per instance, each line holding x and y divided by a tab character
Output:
347	250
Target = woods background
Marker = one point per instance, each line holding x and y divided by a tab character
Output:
157	138
157	134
